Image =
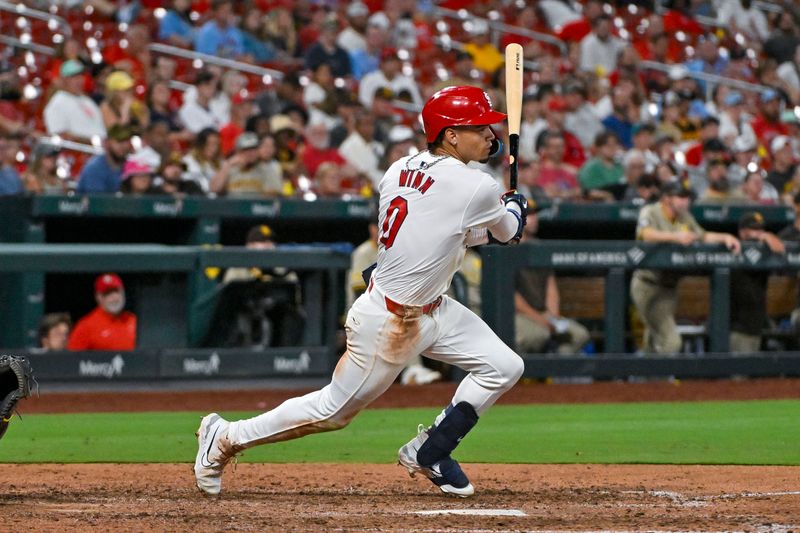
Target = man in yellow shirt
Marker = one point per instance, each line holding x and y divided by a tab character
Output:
485	54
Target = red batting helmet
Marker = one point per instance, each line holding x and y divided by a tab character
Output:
458	106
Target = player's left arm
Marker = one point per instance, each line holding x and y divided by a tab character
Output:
504	219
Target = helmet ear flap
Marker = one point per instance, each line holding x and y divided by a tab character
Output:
497	146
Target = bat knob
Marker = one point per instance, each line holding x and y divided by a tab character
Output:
497	147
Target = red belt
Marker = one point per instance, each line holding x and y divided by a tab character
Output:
409	310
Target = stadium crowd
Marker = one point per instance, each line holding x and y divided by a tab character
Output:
350	78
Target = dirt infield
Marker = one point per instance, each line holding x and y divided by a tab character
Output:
160	498
298	497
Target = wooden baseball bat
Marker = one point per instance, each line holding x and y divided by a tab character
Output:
513	105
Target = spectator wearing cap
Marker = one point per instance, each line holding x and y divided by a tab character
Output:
108	327
171	175
581	118
783	163
360	148
767	125
603	172
244	174
103	172
242	108
70	113
734	122
10	181
137	179
120	106
204	160
718	188
54	332
42	174
176	26
219	36
713	150
748	304
390	76
600	49
197	114
368	59
654	292
538	319
759	191
325	50
261	237
286	134
485	55
352	37
557	178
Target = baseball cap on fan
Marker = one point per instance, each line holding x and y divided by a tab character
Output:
108	282
751	220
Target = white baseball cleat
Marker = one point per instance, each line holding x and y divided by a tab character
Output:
214	451
419	375
445	474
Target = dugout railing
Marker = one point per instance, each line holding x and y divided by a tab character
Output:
616	260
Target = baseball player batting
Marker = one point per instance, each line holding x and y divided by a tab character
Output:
432	207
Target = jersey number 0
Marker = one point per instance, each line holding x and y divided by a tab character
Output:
395	215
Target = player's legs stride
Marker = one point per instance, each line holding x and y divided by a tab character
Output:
467	342
360	377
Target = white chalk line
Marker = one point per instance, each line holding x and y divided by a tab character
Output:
473	512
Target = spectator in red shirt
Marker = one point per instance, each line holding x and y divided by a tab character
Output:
134	58
768	125
108	327
555	116
242	108
317	149
556	178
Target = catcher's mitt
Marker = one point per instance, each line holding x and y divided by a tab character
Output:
15	383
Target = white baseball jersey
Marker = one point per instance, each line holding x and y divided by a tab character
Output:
426	213
427	205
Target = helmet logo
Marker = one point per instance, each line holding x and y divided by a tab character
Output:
488	100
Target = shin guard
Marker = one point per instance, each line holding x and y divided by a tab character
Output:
444	438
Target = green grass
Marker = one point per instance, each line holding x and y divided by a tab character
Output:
753	432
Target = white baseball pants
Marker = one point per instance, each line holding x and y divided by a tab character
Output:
379	344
